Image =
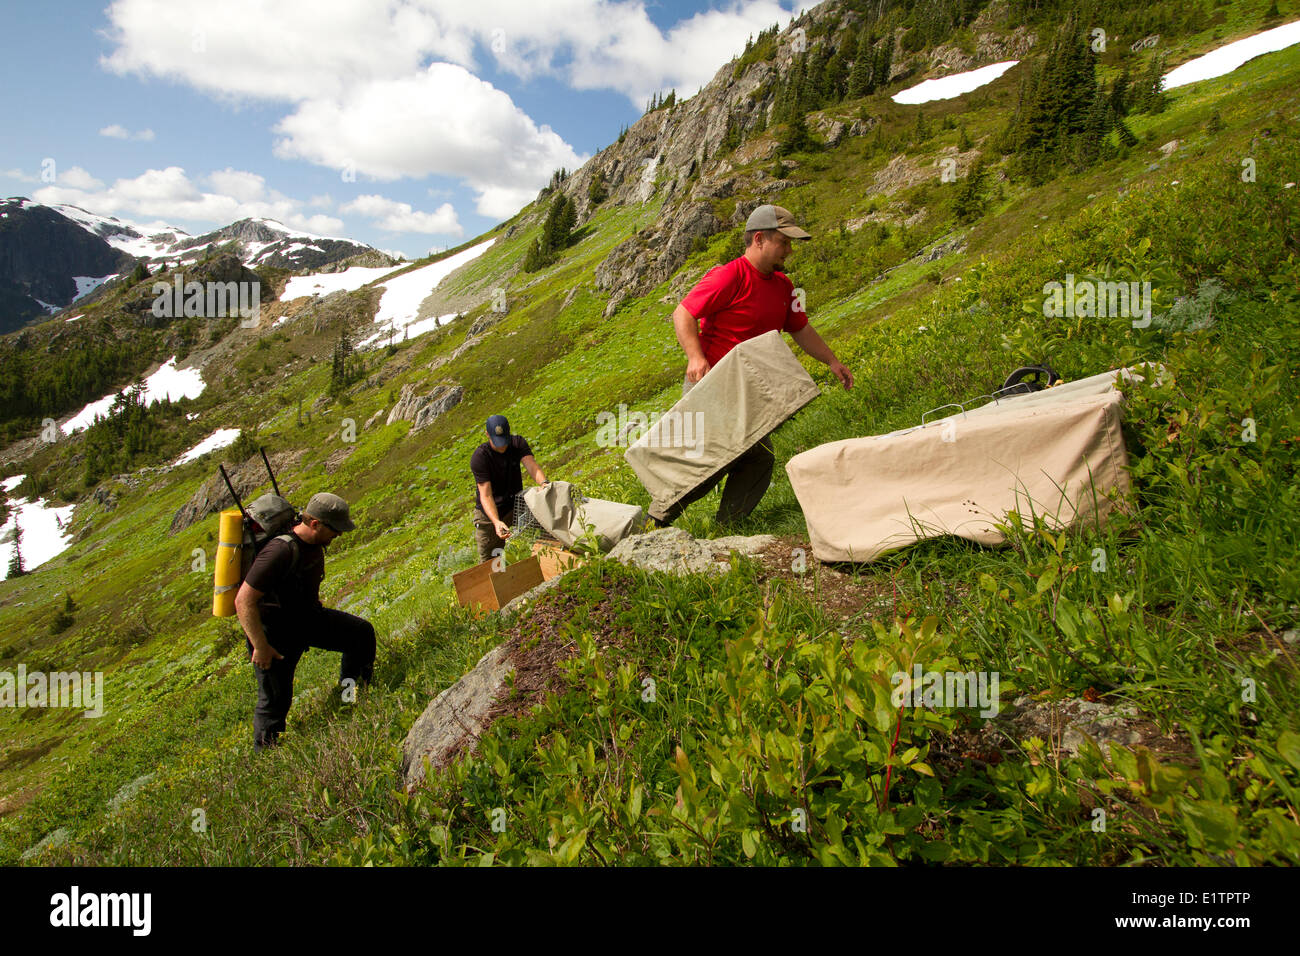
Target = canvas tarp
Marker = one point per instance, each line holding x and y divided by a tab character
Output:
757	386
564	515
1057	453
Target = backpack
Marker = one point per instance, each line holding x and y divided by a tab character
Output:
267	519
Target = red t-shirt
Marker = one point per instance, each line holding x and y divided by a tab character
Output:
736	302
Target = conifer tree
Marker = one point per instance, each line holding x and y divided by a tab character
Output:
797	138
16	569
968	205
860	82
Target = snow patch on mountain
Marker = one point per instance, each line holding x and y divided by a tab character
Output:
88	284
221	438
399	309
1232	55
323	283
947	87
168	382
44	528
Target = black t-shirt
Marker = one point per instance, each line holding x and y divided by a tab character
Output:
286	593
502	469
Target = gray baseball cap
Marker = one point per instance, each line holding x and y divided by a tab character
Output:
775	217
330	509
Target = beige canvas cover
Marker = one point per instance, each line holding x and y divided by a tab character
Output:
757	386
1057	453
559	513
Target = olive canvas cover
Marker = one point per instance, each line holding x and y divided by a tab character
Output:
753	389
1057	453
560	514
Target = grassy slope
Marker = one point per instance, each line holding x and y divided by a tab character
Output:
166	659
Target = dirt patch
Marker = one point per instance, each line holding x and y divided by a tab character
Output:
536	647
843	591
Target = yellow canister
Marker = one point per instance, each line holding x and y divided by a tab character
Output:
225	578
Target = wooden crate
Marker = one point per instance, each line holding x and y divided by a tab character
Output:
482	588
554	559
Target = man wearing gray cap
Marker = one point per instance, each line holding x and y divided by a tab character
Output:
280	610
730	304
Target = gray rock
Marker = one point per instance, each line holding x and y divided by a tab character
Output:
483	323
457	717
743	544
1067	723
421	410
668	549
372	419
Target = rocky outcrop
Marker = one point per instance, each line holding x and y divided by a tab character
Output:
483	323
457	716
639	264
247	477
668	549
420	410
41	252
1067	723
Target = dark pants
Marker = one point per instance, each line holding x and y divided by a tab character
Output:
747	480
329	630
485	533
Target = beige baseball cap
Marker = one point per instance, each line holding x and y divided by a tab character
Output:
775	217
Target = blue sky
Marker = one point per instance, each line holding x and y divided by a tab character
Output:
407	124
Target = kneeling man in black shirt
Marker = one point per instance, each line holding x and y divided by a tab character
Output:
279	607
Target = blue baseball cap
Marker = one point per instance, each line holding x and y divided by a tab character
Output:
498	430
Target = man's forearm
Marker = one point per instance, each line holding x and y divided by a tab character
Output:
688	333
250	619
811	342
487	501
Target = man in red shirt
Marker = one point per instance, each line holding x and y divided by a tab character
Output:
743	299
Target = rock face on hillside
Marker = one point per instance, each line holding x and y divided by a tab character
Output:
677	552
457	716
420	410
41	253
223	269
247	477
676	154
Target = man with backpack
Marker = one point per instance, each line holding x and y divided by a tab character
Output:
280	610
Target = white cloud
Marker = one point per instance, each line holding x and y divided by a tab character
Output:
117	131
78	178
169	195
393	216
21	176
364	93
443	121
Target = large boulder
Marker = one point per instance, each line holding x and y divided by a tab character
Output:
455	718
421	410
